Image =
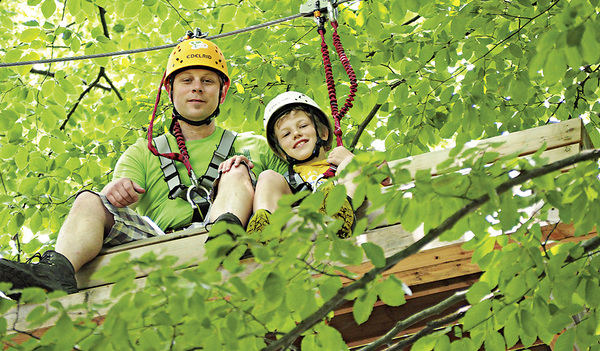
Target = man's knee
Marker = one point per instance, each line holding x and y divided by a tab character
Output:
86	199
87	202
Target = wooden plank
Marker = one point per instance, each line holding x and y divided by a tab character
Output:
152	241
420	290
436	267
525	142
188	249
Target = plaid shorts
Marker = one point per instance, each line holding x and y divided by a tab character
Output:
129	225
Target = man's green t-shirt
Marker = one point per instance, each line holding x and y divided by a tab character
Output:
140	165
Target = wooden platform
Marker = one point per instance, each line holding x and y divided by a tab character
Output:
435	272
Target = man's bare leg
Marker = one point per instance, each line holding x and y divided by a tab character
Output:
82	234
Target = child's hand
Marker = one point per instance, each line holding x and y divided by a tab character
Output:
234	161
339	154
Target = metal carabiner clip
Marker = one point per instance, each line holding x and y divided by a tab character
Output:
332	11
190	196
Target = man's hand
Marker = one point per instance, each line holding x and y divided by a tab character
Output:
234	161
338	155
122	192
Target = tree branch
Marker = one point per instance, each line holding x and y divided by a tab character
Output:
111	85
455	298
371	115
87	90
433	234
430	328
51	74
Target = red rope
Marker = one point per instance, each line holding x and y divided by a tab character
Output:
183	156
337	115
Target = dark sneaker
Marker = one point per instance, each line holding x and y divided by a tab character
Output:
52	272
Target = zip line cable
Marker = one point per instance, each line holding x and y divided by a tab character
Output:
166	46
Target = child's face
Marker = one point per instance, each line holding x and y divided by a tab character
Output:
296	134
196	93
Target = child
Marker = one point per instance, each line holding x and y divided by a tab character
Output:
299	132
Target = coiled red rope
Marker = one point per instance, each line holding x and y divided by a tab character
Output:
337	114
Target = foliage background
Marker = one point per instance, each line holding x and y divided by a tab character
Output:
430	74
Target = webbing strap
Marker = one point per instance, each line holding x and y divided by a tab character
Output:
171	175
296	182
169	169
219	156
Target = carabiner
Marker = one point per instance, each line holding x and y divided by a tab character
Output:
332	11
190	197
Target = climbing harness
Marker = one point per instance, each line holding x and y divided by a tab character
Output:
338	114
198	194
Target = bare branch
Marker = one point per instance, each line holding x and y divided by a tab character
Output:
51	74
63	126
455	298
371	115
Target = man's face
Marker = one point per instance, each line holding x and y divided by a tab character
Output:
296	134
196	93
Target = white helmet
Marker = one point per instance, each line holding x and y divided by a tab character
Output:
284	102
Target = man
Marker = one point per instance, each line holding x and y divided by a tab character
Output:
197	81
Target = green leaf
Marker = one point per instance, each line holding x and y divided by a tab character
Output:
477	314
477	292
335	199
48	88
274	288
391	291
8	151
227	13
565	341
329	286
346	252
48	8
30	34
589	44
554	67
374	253
21	158
494	342
363	306
132	9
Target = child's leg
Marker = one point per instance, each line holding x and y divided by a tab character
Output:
270	187
346	213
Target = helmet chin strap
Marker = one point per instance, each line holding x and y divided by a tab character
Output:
176	115
292	161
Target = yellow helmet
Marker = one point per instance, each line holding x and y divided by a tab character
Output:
198	52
